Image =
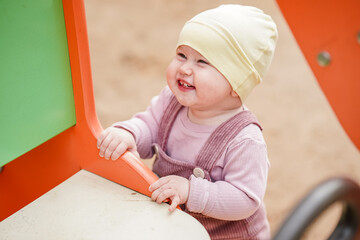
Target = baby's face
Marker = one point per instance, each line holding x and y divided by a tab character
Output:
198	84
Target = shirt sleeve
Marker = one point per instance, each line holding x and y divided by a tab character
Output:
242	188
145	125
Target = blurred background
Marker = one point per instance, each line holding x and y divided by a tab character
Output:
131	44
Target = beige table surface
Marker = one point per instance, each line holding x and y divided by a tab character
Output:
87	206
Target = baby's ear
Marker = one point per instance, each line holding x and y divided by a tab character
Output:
235	95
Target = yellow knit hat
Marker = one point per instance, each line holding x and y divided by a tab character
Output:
239	41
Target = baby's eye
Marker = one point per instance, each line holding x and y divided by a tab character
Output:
181	55
202	61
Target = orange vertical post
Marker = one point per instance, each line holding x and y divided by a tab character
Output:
328	33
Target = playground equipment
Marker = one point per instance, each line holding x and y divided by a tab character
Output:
49	124
328	33
49	128
317	202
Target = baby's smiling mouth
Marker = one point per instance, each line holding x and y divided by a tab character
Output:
185	84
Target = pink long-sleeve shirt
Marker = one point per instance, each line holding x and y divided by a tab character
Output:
240	175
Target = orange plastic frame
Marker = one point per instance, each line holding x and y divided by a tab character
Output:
39	170
333	27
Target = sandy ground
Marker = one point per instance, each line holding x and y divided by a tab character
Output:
131	43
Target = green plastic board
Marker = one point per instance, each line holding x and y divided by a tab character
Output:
36	94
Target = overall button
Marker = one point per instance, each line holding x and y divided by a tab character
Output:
156	149
198	172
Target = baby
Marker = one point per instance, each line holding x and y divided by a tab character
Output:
211	156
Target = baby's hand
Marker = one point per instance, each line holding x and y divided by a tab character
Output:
113	142
174	187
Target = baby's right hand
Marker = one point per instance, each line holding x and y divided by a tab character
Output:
113	142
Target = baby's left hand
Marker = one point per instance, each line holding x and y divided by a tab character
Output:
174	187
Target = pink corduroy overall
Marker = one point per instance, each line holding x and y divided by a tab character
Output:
206	159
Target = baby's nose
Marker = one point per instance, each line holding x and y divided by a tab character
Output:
186	69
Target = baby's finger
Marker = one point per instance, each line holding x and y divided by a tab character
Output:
168	193
101	138
174	203
159	183
104	146
110	149
120	149
155	194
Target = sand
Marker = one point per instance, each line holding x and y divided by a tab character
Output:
131	44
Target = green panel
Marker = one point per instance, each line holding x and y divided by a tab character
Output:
36	95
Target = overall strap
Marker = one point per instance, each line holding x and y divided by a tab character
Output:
216	144
167	121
